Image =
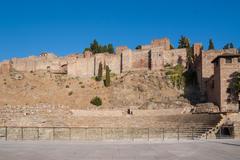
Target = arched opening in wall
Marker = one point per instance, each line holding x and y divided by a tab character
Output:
149	60
226	131
121	63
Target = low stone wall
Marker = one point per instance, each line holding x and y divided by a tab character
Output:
86	134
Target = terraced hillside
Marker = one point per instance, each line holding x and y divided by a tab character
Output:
143	89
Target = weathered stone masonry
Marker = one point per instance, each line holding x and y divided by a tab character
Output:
153	57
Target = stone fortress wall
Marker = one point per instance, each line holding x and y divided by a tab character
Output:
152	57
214	79
205	67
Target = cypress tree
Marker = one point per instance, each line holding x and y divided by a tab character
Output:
211	45
94	46
100	72
228	46
107	80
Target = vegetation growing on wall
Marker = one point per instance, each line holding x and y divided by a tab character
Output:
95	47
175	75
180	77
234	87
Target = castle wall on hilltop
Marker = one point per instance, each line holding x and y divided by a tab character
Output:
83	67
155	57
152	57
52	64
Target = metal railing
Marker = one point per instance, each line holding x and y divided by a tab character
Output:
99	133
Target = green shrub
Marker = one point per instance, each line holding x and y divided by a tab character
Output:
97	101
176	76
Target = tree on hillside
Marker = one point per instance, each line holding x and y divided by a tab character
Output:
100	72
184	42
103	49
107	81
211	45
95	47
228	46
87	49
110	48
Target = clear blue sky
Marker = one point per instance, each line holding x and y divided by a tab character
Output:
28	27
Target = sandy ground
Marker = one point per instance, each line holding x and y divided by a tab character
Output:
60	150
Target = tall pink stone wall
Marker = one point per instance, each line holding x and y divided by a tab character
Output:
157	61
83	67
126	60
140	60
114	63
40	63
175	56
154	56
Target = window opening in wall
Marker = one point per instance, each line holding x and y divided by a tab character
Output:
228	60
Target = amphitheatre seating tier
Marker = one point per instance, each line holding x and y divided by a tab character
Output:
61	123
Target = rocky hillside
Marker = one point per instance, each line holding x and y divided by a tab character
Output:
142	89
